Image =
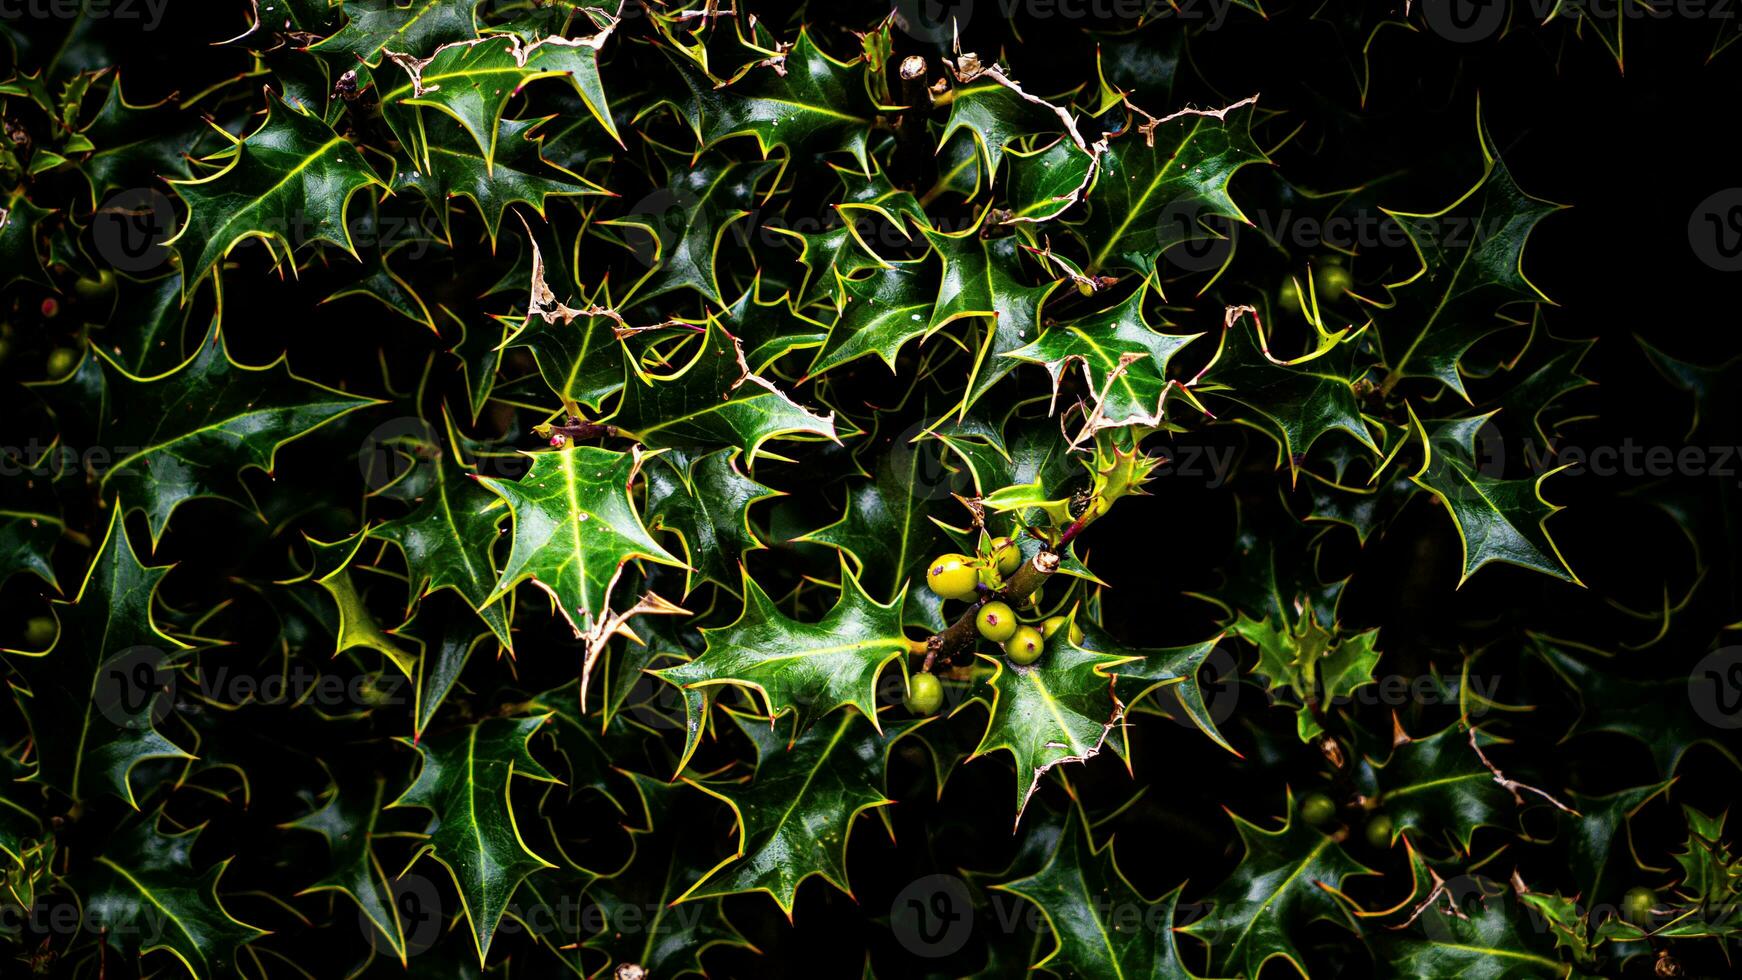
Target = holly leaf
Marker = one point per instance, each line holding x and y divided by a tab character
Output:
810	669
885	527
1044	183
27	539
94	694
1151	669
714	400
1318	664
289	182
706	502
1283	884
865	200
879	315
1438	785
994	114
447	535
131	143
572	347
574	528
1295	401
1101	925
18	232
795	816
518	172
373	26
1478	936
800	99
465	781
1644	709
347	820
1599	841
1711	876
1498	520
668	942
1123	360
186	433
679	227
1153	188
1054	711
1713	389
356	625
1472	255
1015	318
473	80
770	330
144	896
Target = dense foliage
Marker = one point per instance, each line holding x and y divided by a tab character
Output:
522	487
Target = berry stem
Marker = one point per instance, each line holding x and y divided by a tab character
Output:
576	429
1032	575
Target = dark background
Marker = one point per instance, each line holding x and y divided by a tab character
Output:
1632	153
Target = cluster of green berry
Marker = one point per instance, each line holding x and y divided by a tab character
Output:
1319	810
957	576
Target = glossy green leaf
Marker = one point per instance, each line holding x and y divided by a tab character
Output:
808	668
94	697
797	812
574	528
465	781
288	183
1283	883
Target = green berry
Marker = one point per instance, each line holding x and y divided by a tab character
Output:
1317	809
1052	625
1379	831
1024	645
952	576
925	694
1637	904
1290	298
39	632
997	621
90	290
61	361
1333	281
1007	555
